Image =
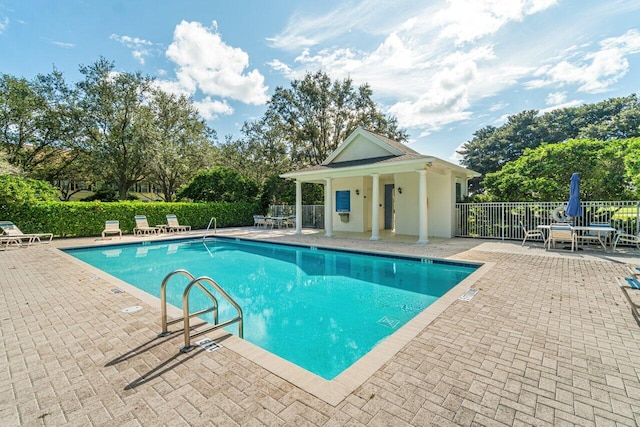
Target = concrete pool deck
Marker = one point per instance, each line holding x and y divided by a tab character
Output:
548	340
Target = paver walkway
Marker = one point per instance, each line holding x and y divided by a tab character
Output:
548	340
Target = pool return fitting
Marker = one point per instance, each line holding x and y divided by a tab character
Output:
196	281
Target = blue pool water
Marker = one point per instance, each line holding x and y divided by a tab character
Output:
320	309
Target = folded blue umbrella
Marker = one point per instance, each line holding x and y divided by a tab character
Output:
574	209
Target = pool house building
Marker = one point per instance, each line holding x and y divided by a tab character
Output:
374	183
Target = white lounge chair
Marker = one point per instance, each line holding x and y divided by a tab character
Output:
174	225
111	227
142	226
624	238
8	240
10	229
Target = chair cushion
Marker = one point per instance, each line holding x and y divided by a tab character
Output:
633	282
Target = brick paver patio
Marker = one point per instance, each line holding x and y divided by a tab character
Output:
548	340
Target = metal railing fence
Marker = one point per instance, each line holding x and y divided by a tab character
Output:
502	220
312	215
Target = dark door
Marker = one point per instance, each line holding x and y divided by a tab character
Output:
388	206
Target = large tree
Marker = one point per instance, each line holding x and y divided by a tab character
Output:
542	174
493	147
182	143
117	122
220	184
316	114
260	153
37	130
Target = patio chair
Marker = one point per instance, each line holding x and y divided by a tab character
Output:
290	222
142	226
111	227
624	238
561	233
11	230
532	234
259	221
174	225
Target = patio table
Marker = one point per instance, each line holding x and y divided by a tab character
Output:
601	232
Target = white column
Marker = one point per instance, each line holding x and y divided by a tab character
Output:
422	207
375	208
328	209
298	206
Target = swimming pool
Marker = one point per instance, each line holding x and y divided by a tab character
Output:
320	309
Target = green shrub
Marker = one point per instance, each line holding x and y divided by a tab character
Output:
80	219
16	189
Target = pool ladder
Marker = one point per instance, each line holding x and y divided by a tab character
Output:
186	315
215	227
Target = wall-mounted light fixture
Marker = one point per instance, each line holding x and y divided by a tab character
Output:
357	192
399	190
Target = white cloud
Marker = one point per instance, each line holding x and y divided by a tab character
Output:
280	66
140	48
469	20
4	24
304	32
430	63
555	98
211	109
63	44
597	71
499	106
569	104
205	62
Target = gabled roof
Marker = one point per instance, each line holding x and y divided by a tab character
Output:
365	152
364	144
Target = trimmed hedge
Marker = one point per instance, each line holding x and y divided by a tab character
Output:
81	219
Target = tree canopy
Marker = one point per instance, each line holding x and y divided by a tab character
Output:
219	184
36	124
609	170
115	128
181	142
493	147
316	114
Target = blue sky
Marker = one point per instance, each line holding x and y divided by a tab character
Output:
444	68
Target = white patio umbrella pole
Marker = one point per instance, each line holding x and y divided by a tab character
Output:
298	207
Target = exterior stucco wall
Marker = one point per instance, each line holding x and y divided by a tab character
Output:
406	203
440	202
356	216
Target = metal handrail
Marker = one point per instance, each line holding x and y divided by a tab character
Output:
185	309
163	303
215	227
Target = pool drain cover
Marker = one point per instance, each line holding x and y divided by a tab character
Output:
470	293
132	309
389	322
209	344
